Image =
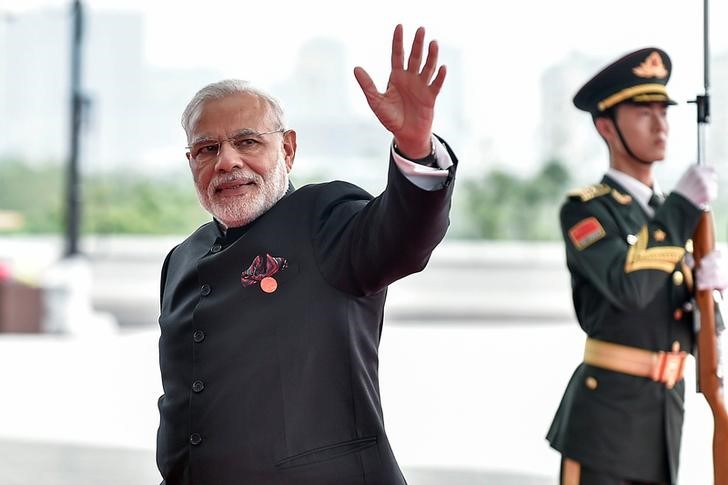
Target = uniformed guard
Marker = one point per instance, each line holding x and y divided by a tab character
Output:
628	249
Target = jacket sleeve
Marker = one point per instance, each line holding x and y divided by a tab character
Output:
627	271
363	244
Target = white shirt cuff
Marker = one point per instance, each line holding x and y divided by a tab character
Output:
426	178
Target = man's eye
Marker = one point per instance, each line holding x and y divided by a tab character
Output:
244	142
204	150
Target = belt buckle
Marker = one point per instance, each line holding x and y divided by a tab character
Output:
670	367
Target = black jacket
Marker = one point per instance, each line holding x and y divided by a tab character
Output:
281	387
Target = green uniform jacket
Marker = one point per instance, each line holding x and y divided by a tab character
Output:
631	285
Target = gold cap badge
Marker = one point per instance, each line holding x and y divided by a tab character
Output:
651	67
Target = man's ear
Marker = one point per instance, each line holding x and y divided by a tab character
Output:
605	127
289	148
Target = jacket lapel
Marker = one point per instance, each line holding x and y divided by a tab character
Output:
628	212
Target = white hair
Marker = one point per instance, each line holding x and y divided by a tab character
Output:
223	89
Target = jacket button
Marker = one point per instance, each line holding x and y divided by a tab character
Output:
205	289
198	386
198	336
591	383
216	248
195	439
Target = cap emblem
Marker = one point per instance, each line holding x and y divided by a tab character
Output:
651	67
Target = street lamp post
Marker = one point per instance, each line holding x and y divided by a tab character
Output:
73	179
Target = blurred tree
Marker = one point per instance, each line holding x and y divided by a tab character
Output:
503	206
113	203
133	204
35	192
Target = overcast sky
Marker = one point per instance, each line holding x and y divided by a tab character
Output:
505	44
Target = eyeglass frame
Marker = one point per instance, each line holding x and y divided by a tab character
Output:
248	132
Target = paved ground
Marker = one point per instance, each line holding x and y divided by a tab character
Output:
474	357
450	408
23	463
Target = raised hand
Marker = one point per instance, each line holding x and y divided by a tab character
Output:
407	106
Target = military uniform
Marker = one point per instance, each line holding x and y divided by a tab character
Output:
632	288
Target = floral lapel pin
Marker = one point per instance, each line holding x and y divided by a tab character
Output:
261	270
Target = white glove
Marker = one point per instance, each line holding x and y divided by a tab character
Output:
712	274
699	184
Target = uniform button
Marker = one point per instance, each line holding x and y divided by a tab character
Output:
677	278
195	439
198	336
205	289
216	248
677	314
198	386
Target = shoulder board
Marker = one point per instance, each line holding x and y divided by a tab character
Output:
590	192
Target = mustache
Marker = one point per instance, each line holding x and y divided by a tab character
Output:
240	175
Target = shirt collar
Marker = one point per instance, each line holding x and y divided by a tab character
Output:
636	189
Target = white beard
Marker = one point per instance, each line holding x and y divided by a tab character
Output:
244	209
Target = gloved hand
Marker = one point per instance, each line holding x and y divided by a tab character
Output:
699	184
712	273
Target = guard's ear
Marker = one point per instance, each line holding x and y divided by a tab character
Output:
289	148
605	127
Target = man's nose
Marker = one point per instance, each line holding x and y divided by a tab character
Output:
659	121
227	158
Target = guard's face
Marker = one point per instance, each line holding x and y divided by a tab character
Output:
645	129
239	161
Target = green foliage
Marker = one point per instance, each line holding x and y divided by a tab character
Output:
35	192
503	206
499	206
132	204
113	203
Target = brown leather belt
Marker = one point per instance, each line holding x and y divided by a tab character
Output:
665	367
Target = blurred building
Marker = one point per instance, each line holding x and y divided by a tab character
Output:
567	134
34	85
717	151
132	110
337	141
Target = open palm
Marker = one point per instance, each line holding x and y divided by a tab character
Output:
406	108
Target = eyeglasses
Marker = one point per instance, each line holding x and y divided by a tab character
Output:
245	142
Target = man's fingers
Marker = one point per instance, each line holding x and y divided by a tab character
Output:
431	63
397	48
365	82
439	80
415	58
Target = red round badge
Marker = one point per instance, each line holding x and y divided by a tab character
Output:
268	284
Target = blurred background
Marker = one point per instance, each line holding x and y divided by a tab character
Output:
477	349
